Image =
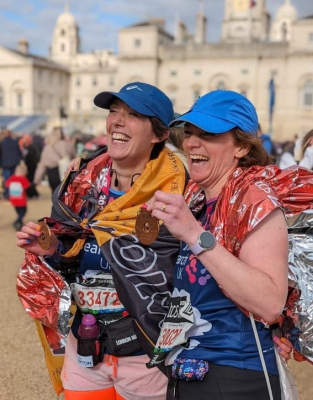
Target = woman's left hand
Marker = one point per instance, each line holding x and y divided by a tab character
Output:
177	217
284	347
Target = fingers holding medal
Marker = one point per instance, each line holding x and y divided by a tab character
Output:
44	239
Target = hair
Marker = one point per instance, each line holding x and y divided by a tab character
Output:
160	130
176	137
20	169
306	141
55	136
256	155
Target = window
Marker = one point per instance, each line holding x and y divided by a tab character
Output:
78	105
197	72
50	77
173	73
62	47
111	81
220	85
137	42
19	100
50	102
311	37
196	94
78	82
63	32
172	96
40	102
308	93
244	71
94	81
39	75
1	98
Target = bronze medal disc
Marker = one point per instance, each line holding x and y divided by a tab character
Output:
146	227
44	239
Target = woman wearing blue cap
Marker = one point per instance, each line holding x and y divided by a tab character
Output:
122	281
233	257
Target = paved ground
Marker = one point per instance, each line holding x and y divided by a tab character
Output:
23	375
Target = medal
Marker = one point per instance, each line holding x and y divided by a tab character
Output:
146	227
44	239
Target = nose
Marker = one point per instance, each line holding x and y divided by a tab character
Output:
192	141
118	118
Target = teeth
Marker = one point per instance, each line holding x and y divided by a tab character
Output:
120	136
202	158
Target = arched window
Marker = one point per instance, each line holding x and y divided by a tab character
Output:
19	99
63	32
172	96
1	98
308	93
284	32
62	47
221	85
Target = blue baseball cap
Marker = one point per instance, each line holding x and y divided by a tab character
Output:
220	111
144	98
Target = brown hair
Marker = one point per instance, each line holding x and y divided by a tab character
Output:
257	155
160	130
306	141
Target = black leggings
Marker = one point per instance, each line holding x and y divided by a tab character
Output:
228	383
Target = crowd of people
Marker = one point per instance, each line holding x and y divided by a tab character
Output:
189	301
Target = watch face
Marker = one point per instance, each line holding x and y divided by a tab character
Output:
207	240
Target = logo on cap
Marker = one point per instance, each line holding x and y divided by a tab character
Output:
133	87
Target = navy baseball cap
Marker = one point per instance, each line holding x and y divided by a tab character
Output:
144	98
220	111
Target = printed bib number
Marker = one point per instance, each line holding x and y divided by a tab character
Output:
178	321
96	296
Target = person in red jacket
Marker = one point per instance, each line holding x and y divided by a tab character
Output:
17	185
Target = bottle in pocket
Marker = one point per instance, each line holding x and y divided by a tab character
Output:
88	346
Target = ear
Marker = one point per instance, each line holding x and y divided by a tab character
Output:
164	137
242	152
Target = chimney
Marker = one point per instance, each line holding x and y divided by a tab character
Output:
200	34
181	33
23	46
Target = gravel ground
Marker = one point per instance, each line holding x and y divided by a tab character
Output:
23	375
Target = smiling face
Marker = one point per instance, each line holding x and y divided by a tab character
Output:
211	158
130	136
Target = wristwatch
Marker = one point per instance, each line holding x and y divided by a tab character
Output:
206	241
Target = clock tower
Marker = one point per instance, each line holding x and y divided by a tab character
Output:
245	21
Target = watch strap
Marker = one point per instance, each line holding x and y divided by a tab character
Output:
196	249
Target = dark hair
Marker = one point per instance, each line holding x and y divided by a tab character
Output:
257	155
160	130
306	140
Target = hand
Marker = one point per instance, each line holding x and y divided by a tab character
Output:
73	166
173	211
27	240
284	347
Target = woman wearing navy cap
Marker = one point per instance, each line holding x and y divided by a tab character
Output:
121	281
235	254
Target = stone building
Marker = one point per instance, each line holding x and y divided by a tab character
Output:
252	52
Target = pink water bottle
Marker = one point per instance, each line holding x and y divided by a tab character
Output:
89	327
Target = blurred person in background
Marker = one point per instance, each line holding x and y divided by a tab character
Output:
175	141
55	149
287	158
10	156
307	151
31	159
17	184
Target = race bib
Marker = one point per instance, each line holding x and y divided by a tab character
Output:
96	294
178	321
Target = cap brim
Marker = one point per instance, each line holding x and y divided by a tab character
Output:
206	122
104	100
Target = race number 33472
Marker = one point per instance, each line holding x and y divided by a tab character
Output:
98	299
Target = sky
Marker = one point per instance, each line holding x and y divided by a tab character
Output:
100	20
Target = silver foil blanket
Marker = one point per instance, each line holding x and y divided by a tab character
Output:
299	308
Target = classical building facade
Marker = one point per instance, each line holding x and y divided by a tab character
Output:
252	52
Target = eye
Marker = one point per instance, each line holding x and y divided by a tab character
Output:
112	110
134	114
207	135
187	133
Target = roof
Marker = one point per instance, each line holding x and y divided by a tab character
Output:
25	124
